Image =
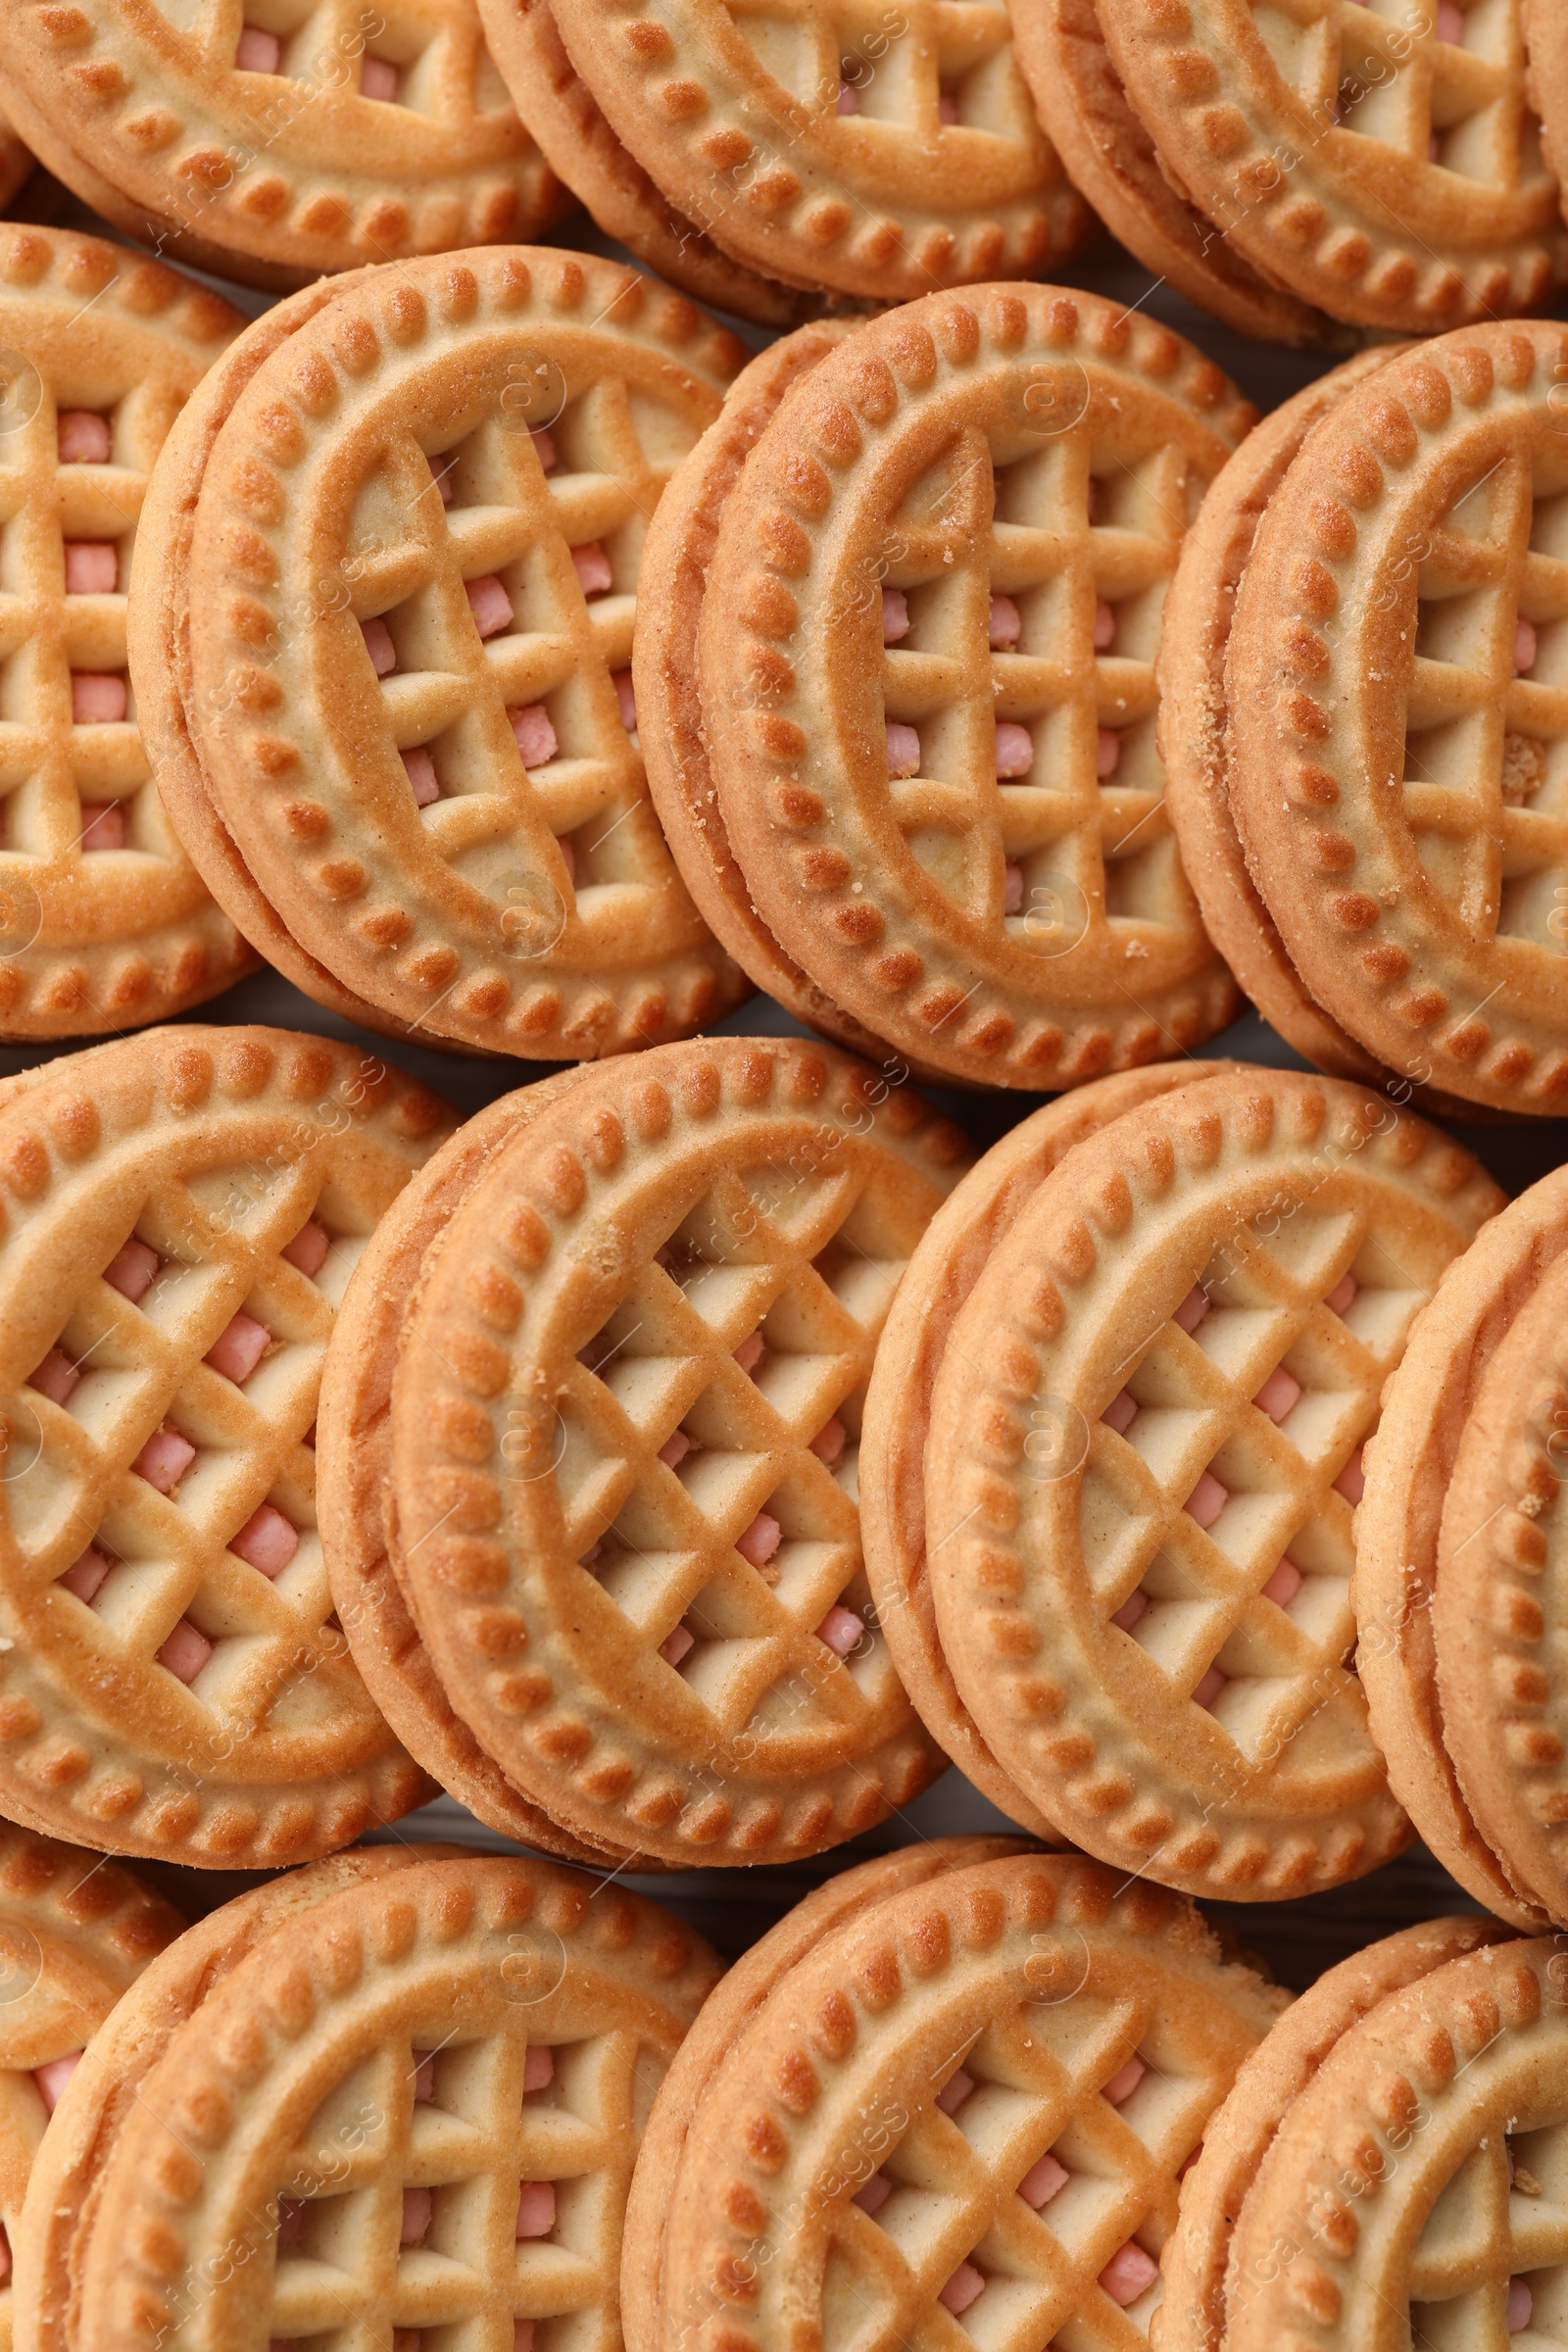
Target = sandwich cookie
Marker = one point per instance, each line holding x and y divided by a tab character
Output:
926	676
182	1211
1145	1449
626	1415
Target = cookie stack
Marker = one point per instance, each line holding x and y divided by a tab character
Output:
399	2091
754	159
104	919
75	1931
382	632
1133	1367
183	1209
897	678
1363	717
1389	2165
272	145
957	2083
589	1443
1458	1550
1297	173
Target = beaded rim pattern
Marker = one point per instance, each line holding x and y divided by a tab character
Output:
73	1142
414	909
790	693
92	941
1355	217
1219	1807
844	2060
535	1269
1347	2222
500	1952
887	205
293	172
1493	1616
1405	953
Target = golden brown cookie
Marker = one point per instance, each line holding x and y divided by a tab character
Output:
454	818
940	1277
1498	1606
1113	161
104	921
158	651
1413	2192
1146	1434
1409	1468
354	1446
75	1933
1195	723
1397	738
1191	2312
184	1210
626	1415
70	2166
1389	173
565	117
273	151
970	2099
927	681
677	2112
881	155
440	2100
665	665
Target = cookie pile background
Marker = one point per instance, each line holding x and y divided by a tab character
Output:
517	1197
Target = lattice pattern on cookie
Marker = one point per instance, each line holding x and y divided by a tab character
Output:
73	776
1486	770
507	611
384	54
1035	2188
1223	1475
172	1502
902	71
1032	593
712	1425
1501	2219
1437	84
462	2182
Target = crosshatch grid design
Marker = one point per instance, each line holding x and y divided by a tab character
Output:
1285	1665
810	1264
219	1232
1485	789
50	764
902	59
1412	79
1041	2075
1501	2217
348	2273
451	691
981	526
324	45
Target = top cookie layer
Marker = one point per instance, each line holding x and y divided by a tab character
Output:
353	2129
102	350
1016	470
316	141
977	2090
1384	167
405	708
877	150
182	1210
625	1428
1419	2174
